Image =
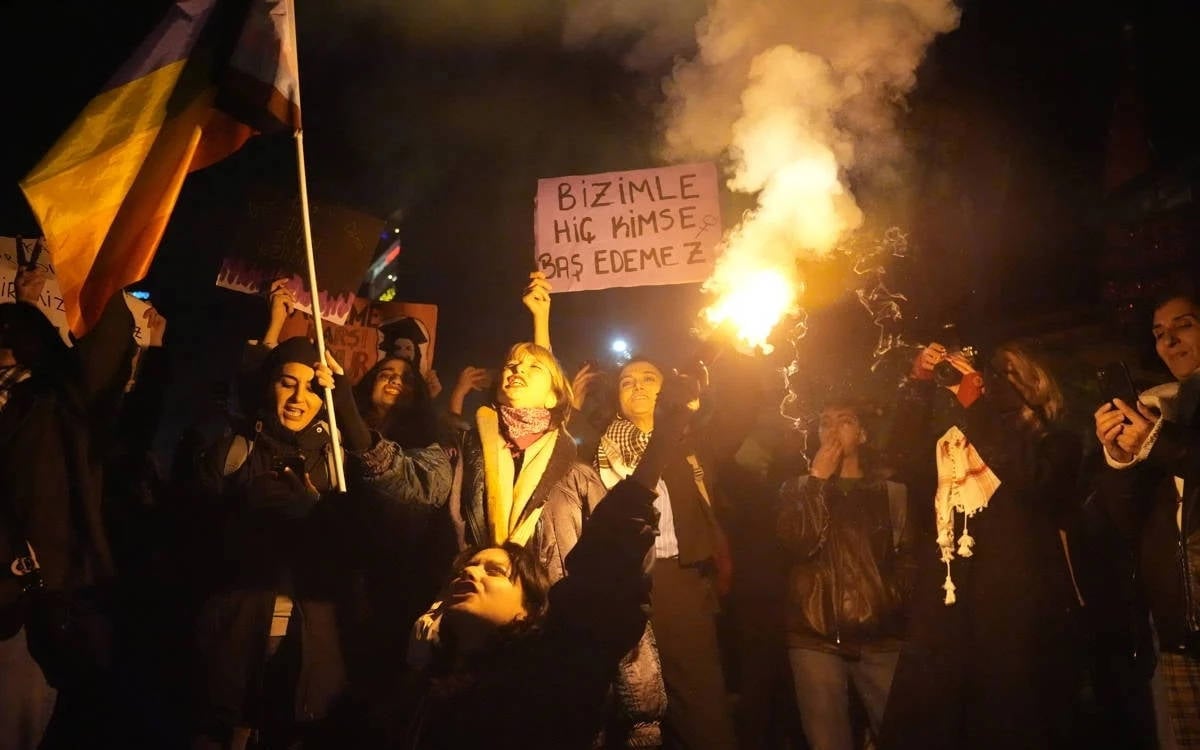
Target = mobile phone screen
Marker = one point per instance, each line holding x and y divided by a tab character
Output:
1116	383
282	463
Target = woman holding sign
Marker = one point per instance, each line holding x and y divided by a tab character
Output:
516	480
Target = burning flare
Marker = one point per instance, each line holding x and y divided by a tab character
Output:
794	97
751	301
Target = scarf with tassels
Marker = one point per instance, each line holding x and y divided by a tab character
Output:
965	485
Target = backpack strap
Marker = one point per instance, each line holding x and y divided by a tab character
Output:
239	450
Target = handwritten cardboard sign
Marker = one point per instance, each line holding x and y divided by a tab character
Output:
51	301
263	237
642	227
249	277
372	331
409	329
143	334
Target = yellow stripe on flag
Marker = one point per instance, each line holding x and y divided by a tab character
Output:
113	120
105	191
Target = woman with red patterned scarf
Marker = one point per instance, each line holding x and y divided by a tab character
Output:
516	478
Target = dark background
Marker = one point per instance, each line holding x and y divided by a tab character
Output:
1030	217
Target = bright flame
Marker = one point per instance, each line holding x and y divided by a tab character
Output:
788	151
794	97
751	301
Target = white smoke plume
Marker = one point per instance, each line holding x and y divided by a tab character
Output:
652	33
792	97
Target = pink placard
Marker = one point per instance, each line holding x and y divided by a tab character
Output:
643	227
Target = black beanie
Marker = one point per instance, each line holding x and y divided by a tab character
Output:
296	349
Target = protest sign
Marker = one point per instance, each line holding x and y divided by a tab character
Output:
637	228
51	301
356	348
265	241
143	334
409	330
373	331
251	278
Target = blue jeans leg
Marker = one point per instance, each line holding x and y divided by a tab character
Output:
872	677
822	695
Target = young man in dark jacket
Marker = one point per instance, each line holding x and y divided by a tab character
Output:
852	570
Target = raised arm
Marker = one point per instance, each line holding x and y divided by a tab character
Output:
282	303
419	476
536	298
606	591
803	521
470	379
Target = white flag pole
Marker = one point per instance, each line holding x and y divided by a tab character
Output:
334	436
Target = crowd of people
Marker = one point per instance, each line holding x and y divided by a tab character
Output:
590	560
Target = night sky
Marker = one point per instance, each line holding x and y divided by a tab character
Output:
448	121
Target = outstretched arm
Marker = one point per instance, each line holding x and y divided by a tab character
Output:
537	299
470	379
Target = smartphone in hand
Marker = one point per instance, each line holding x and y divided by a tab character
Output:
1115	382
281	463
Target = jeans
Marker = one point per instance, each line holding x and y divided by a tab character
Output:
822	683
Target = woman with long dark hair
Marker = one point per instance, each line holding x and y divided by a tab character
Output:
395	401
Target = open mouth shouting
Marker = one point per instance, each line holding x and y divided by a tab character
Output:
462	588
294	414
296	403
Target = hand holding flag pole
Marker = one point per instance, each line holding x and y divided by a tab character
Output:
212	74
334	436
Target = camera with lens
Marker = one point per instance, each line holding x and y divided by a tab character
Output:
946	374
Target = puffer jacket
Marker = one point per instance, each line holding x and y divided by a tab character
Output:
853	568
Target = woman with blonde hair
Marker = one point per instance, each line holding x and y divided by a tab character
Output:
990	657
1041	400
515	478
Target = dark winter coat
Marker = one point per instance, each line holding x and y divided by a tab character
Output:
268	538
996	668
1143	501
51	486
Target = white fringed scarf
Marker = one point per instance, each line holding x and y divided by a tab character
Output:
965	485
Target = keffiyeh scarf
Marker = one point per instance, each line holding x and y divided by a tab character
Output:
965	485
621	450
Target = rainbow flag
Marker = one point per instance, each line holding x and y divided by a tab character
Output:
211	74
